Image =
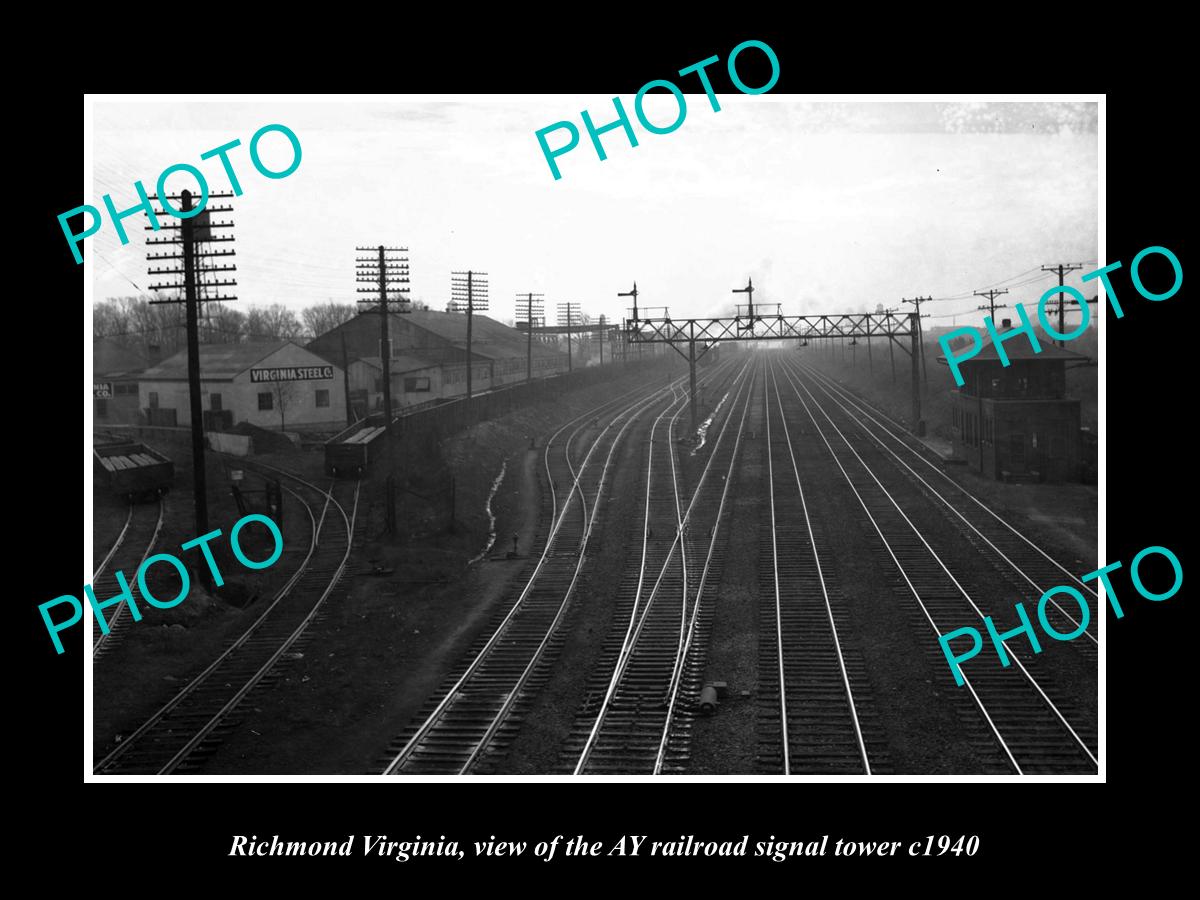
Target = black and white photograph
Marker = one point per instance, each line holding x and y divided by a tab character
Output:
451	436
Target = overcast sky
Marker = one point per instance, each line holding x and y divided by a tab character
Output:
829	206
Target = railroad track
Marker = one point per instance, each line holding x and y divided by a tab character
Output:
637	715
1025	729
809	706
183	733
479	708
1027	568
133	545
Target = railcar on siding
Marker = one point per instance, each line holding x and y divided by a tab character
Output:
133	471
350	452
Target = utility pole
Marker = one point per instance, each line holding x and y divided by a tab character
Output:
469	286
914	331
346	378
384	270
194	228
530	321
568	310
1061	270
600	340
916	304
992	304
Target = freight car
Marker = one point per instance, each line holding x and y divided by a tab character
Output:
350	451
132	470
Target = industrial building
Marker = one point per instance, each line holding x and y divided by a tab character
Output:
276	384
414	381
1016	423
116	371
425	340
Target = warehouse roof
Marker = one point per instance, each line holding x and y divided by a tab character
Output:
489	338
400	364
114	359
218	362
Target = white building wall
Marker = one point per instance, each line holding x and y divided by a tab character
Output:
241	394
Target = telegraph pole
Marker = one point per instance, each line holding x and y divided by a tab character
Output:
195	228
384	270
1061	270
992	304
470	286
346	378
568	309
917	317
529	322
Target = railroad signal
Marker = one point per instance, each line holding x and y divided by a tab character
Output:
748	290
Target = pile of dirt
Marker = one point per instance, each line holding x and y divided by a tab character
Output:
267	441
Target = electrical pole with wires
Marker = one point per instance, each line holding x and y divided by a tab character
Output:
469	287
1061	270
916	304
195	228
387	267
533	312
992	304
570	311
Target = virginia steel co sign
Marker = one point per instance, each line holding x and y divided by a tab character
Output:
292	373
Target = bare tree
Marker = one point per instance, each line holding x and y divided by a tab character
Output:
134	322
324	317
223	324
272	323
284	393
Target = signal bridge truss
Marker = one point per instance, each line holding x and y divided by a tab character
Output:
701	334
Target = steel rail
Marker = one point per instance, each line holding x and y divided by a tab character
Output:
634	631
837	644
199	680
677	674
266	667
116	545
983	506
558	516
106	640
796	386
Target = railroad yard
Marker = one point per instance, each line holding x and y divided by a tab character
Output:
820	498
614	592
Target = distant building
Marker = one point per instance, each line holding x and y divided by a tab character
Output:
1016	422
276	384
425	339
414	381
116	370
